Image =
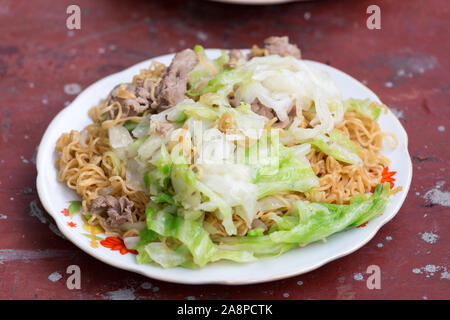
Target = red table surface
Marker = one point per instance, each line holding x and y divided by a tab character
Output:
406	63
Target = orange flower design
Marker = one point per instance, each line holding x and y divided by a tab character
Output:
116	244
65	212
71	224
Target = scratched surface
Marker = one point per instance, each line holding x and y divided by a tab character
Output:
43	66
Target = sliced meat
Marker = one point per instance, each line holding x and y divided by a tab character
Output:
235	57
269	113
282	47
262	110
170	90
133	99
276	45
118	210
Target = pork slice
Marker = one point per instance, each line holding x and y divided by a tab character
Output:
262	110
236	55
282	47
137	102
269	113
118	210
170	90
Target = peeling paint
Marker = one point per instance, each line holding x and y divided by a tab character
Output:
27	190
35	211
72	88
26	255
55	276
146	285
56	231
358	277
436	196
430	270
429	237
413	63
122	294
24	160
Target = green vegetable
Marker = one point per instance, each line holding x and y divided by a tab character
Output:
366	108
198	111
190	233
224	81
130	125
157	180
167	257
163	197
206	68
149	147
115	160
284	223
320	220
132	148
338	145
146	236
189	190
281	171
182	118
255	232
141	129
259	246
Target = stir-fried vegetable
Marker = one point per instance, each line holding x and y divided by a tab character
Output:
214	163
338	145
320	220
367	108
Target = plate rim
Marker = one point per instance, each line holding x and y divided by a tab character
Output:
259	279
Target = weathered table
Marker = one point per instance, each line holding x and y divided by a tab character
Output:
43	65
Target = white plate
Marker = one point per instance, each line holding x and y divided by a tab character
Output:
55	196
